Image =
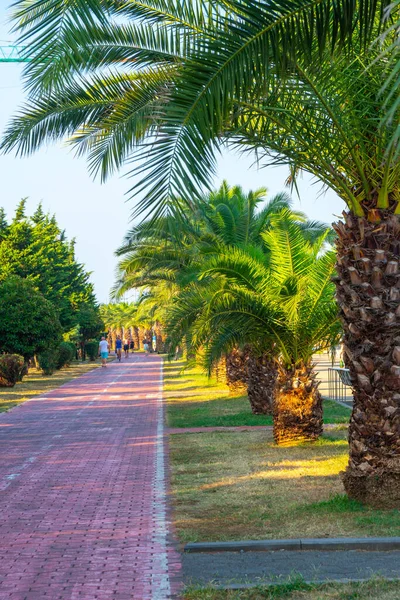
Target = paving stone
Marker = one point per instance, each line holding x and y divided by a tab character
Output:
84	491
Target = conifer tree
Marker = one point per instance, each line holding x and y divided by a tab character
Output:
35	248
20	211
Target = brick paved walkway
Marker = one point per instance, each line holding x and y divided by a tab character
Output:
82	484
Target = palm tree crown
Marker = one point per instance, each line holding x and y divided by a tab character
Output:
169	79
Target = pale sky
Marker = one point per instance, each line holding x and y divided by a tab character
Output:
98	215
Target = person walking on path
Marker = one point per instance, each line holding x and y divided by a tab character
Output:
146	346
126	348
118	347
103	351
132	345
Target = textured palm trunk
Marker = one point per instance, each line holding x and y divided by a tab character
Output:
110	338
159	337
142	333
237	371
149	337
219	371
113	339
261	384
297	406
136	338
368	293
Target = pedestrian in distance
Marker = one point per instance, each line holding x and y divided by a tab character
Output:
118	347
146	346
103	351
126	348
132	345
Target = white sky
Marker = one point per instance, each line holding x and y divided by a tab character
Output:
98	215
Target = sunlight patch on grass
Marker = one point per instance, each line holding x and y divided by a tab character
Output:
290	470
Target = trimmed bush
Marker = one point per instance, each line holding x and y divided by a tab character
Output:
48	361
12	369
92	350
65	354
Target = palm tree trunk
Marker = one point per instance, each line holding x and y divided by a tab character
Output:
142	333
261	384
219	371
158	331
368	293
136	338
109	338
113	338
236	371
297	406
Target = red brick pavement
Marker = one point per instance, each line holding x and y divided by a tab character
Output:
82	481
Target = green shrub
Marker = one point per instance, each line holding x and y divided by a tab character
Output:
65	355
92	349
32	324
12	369
72	345
48	361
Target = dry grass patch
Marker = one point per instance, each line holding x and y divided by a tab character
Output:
35	383
241	486
369	590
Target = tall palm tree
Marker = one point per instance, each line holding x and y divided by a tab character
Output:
297	82
283	305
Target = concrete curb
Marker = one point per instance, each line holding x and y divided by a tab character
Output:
322	544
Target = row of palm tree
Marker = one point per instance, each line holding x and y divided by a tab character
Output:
135	321
248	285
300	83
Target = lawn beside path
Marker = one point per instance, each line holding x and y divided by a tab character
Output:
194	400
35	383
240	485
375	589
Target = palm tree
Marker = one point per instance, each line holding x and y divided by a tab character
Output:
283	305
234	218
298	83
119	318
226	217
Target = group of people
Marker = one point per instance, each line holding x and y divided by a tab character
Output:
126	345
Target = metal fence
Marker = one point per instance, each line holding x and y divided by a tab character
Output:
339	385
